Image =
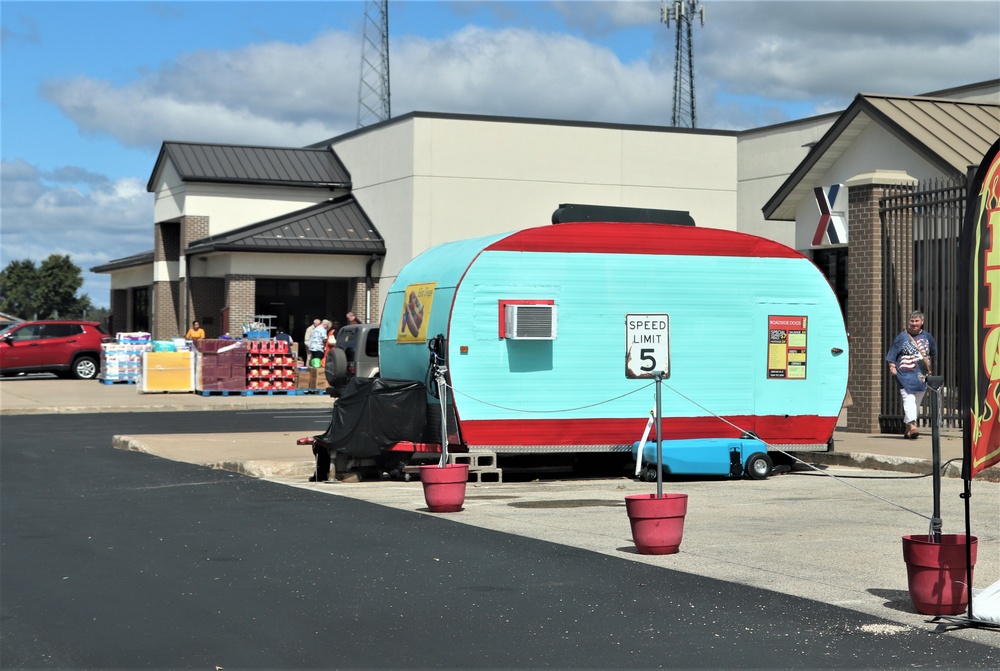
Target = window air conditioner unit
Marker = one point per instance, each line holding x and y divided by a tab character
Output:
530	322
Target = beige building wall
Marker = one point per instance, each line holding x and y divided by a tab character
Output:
426	180
136	276
321	266
765	158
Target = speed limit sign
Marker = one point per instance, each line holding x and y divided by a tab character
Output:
647	345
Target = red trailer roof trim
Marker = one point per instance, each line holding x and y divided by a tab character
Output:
627	238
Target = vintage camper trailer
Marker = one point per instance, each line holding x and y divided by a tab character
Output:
535	337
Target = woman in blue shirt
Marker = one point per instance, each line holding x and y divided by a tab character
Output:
909	360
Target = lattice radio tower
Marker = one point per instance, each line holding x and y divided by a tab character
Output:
682	13
373	89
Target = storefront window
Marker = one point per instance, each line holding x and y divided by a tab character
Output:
140	309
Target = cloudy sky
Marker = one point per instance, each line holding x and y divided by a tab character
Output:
90	90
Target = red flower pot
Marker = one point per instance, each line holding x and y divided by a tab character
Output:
657	523
936	573
444	486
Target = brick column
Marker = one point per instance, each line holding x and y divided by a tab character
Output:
191	228
165	321
866	294
376	310
240	299
208	297
166	241
357	299
165	311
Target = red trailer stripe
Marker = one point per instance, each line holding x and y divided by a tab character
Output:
622	238
805	430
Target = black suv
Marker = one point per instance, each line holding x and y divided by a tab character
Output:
67	348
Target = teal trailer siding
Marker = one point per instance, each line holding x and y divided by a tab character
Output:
445	265
573	392
717	336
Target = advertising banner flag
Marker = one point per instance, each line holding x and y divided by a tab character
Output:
979	322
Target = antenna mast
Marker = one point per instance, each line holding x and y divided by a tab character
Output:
682	13
373	89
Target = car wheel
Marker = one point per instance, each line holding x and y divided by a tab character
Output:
336	367
85	368
759	466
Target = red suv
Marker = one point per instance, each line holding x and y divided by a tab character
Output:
67	348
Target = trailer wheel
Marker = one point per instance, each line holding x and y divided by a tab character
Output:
759	466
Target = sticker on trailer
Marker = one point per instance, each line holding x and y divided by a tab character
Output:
786	347
416	313
647	345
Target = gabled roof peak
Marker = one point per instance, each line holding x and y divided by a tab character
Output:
950	134
249	164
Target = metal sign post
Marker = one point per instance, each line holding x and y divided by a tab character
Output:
934	382
647	355
659	437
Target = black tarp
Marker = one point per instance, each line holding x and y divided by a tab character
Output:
374	414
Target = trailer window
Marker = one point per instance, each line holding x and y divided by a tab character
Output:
371	344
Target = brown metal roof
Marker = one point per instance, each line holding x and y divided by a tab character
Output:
951	134
240	164
339	226
140	259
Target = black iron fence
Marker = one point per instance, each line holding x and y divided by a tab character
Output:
920	232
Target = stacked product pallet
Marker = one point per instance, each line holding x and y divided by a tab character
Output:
221	365
166	370
121	361
270	366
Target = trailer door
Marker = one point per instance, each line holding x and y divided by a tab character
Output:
787	372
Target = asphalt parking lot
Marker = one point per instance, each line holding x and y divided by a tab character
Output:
835	540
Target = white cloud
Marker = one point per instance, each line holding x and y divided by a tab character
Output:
818	53
291	95
272	94
483	71
756	63
93	225
600	18
833	50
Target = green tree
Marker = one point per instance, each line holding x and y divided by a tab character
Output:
58	281
17	289
44	292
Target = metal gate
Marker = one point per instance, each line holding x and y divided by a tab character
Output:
920	233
